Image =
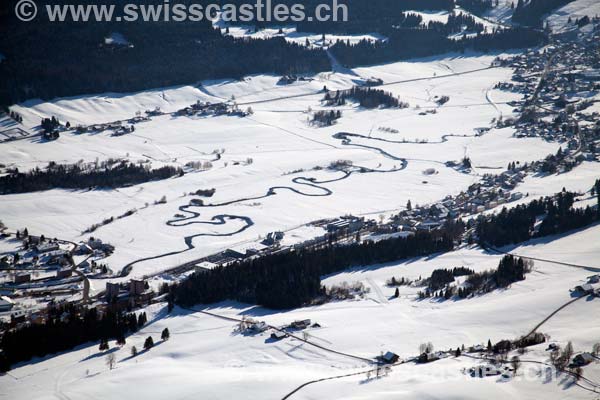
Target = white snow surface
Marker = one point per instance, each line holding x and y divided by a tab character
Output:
279	141
204	357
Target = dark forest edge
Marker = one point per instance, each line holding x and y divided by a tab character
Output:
106	174
68	59
283	281
67	327
290	280
543	217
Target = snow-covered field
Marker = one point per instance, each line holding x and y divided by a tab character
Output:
286	186
279	140
575	10
206	357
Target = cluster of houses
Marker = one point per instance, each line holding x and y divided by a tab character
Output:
39	255
269	245
251	326
373	81
289	79
591	287
119	128
205	109
43	272
560	81
492	191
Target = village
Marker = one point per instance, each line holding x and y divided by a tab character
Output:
558	87
555	106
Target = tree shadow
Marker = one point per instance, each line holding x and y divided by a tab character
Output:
99	354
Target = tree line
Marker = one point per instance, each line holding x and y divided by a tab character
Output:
108	174
363	16
71	58
66	327
366	97
282	281
326	118
55	60
515	225
510	270
405	43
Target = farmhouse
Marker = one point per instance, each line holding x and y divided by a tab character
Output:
427	357
389	357
582	359
46	247
64	273
278	335
300	324
22	278
350	224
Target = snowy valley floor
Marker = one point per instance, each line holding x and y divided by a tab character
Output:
205	356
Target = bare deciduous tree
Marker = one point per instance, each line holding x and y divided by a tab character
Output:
111	360
425	348
515	363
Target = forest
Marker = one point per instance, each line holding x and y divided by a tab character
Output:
365	97
326	118
510	270
408	43
518	224
283	281
46	60
66	327
107	174
531	12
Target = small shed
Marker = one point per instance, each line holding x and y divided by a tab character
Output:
301	324
278	335
390	358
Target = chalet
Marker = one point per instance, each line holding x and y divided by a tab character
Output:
389	358
478	348
95	243
593	279
84	248
482	371
583	359
428	226
22	278
153	113
6	304
585	288
46	247
64	273
278	335
427	357
273	238
58	257
516	196
553	347
300	324
257	326
503	346
372	81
